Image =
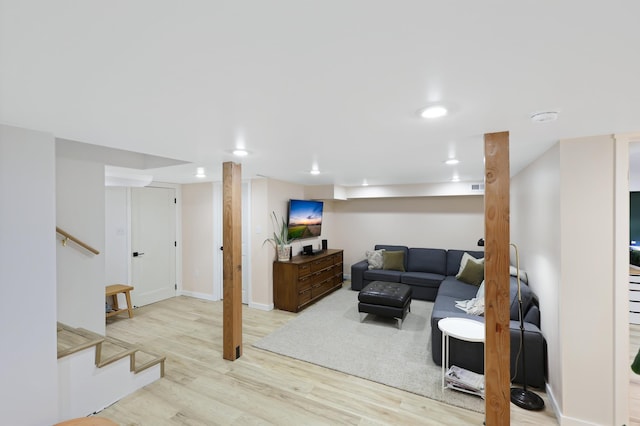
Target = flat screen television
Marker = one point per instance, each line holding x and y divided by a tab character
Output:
305	219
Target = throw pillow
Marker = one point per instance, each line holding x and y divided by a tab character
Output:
375	259
465	258
513	271
473	273
393	260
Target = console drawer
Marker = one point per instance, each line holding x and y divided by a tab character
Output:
319	264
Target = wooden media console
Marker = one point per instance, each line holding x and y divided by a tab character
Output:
299	282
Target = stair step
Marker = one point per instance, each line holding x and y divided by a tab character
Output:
144	360
108	349
140	360
72	340
113	351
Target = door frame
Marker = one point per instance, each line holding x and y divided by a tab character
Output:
622	375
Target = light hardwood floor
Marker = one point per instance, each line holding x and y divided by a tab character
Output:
200	388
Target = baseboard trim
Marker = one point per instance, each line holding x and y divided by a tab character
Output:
553	402
261	306
561	418
197	295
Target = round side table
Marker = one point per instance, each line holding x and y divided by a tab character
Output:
462	329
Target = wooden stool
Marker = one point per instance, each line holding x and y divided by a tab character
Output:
113	291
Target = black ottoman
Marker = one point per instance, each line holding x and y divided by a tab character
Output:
385	299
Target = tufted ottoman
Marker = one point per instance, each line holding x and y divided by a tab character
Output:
385	299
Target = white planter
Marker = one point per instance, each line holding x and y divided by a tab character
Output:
283	252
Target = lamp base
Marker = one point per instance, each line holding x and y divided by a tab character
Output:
526	399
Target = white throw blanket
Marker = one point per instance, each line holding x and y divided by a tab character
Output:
474	306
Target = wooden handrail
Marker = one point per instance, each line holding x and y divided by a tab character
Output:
68	236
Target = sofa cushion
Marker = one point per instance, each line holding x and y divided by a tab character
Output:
423	279
472	273
466	257
393	260
527	298
374	258
405	249
427	260
457	289
382	275
445	306
455	256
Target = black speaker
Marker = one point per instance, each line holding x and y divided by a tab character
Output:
307	250
324	244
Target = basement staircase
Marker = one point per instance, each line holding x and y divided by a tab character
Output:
95	371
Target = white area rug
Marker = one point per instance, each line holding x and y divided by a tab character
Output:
329	333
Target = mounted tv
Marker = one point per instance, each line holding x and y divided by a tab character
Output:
305	219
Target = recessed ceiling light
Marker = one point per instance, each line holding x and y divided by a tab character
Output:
452	161
365	183
434	111
240	152
455	179
315	172
545	116
200	172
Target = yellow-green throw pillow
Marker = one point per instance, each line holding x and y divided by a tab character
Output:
473	273
393	260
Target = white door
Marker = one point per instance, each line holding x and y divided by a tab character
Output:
153	244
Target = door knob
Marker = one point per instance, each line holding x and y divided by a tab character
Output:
136	254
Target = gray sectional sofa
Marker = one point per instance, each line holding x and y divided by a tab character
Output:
431	275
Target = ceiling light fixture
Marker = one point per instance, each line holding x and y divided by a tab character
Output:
200	172
315	172
365	183
544	117
240	152
434	111
455	179
452	161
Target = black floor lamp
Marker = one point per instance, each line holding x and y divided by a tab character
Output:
522	397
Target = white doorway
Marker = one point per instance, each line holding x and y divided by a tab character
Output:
153	244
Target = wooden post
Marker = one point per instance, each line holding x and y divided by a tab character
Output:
232	261
496	272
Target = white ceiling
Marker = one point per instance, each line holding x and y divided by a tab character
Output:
329	83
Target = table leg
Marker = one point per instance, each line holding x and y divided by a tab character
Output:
445	355
129	305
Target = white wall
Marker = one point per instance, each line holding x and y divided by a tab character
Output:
117	232
430	222
28	366
80	210
197	240
563	219
357	225
535	229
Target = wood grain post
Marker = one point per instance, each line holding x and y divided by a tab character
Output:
496	234
231	261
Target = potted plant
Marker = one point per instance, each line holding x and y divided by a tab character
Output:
280	239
